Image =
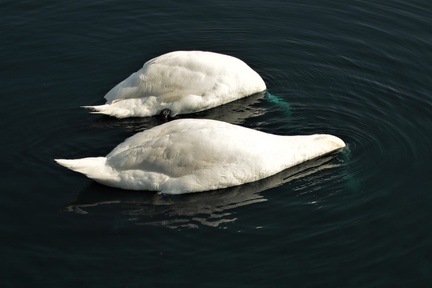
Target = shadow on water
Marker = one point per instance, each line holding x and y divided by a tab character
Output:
236	112
213	208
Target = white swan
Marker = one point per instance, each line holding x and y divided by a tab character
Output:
193	155
181	82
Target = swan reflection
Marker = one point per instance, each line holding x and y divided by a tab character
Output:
234	112
214	208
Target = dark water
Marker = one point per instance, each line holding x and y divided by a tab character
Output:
358	69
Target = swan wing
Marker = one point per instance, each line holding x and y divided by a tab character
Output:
181	73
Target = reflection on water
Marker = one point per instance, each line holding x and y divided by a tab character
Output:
235	112
213	208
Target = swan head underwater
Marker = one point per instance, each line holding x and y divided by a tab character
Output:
196	155
165	114
181	82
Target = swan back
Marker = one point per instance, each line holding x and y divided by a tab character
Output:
183	82
197	155
193	155
199	73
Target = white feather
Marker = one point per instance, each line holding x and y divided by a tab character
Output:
193	155
183	82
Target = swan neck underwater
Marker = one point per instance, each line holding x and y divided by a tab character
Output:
196	155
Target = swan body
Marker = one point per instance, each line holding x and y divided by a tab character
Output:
194	155
182	82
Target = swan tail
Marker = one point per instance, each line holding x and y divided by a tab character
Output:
119	109
99	109
92	167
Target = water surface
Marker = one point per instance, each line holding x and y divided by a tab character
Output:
356	69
